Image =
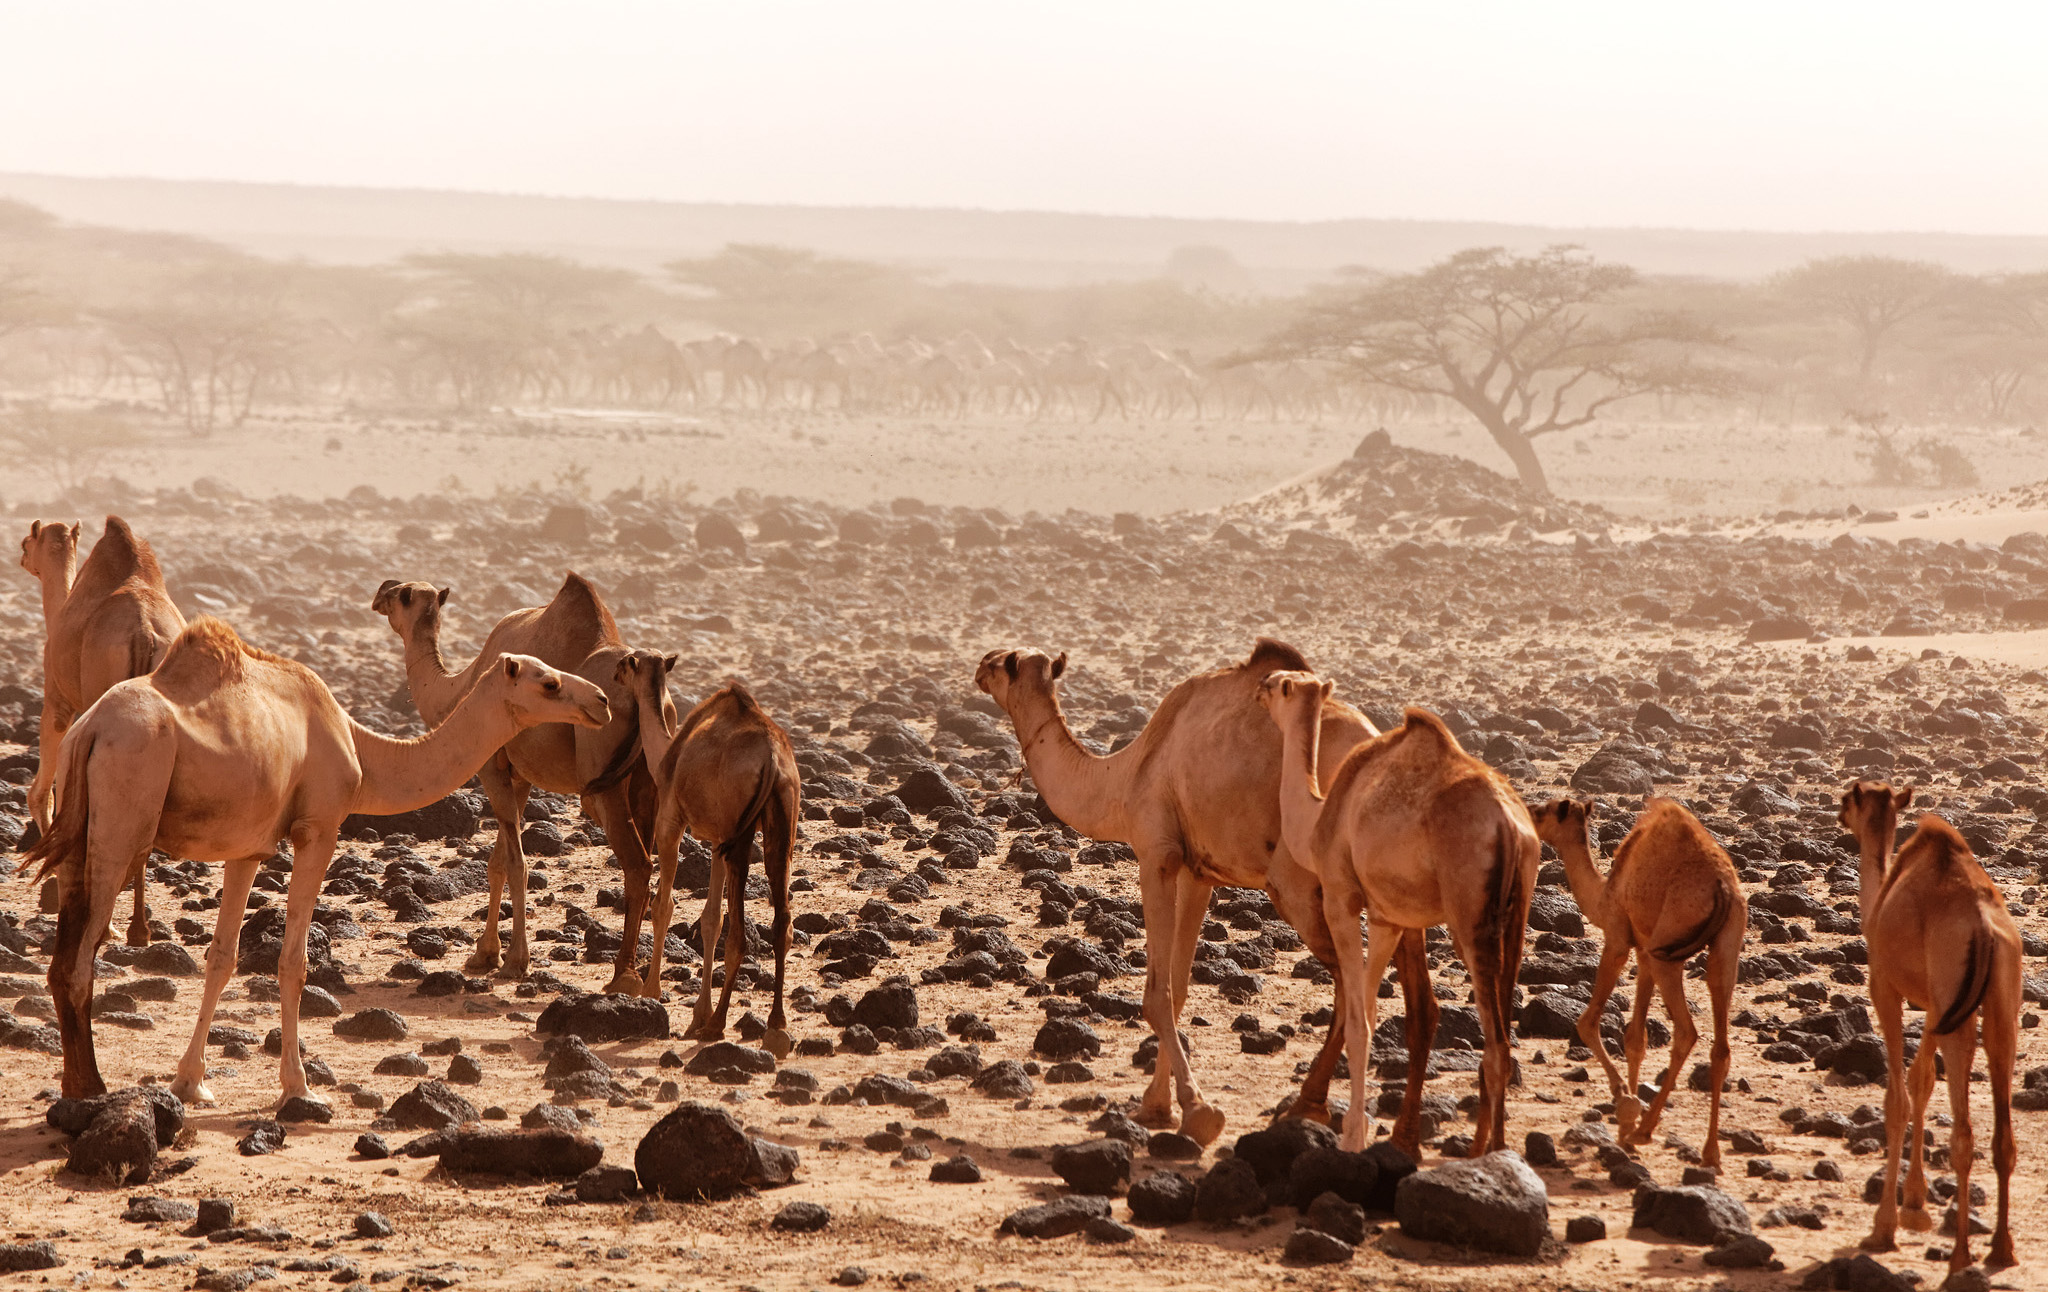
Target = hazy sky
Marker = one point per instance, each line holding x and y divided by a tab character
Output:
1786	115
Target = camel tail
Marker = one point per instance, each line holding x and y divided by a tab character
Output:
738	848
1509	920
778	829
1685	948
65	840
621	764
1977	965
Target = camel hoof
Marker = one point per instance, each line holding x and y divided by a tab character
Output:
514	970
2002	1257
480	961
138	936
623	984
1309	1112
1158	1117
1202	1124
1916	1219
1879	1242
777	1042
196	1092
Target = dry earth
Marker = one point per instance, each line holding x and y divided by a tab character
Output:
1629	665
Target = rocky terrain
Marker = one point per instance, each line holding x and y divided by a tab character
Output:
967	969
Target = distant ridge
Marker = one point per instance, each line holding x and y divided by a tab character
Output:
367	225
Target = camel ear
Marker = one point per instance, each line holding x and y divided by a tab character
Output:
1327	688
382	599
1059	664
405	597
1010	665
441	597
668	663
512	667
35	528
1902	799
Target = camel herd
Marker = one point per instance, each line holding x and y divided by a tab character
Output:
185	739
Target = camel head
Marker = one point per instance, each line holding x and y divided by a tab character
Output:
1285	694
1004	673
1565	821
411	607
644	674
50	546
537	694
1870	810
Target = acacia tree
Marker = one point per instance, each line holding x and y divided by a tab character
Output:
1529	345
1872	294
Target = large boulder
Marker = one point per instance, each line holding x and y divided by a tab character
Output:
1230	1189
697	1151
1494	1203
1319	1169
1100	1166
1272	1151
601	1016
1163	1198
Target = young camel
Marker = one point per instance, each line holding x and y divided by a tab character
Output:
1671	893
1413	832
216	755
1194	795
1941	939
724	773
103	624
574	632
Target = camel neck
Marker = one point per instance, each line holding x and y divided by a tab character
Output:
1301	801
1086	790
1873	863
57	589
400	775
655	737
435	690
1589	887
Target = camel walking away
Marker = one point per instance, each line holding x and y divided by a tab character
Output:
1413	832
1671	893
1195	796
574	632
105	623
218	754
1941	939
724	773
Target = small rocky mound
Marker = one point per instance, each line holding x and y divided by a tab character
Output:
1494	1203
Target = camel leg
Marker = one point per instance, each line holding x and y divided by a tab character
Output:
1297	895
1200	1120
735	931
1496	1064
236	877
1159	893
707	934
312	847
1613	960
1958	1048
615	815
1418	998
1669	980
2000	1010
668	843
1723	964
507	793
1312	1101
1920	1080
1367	960
42	788
90	888
778	838
1635	1042
138	919
1887	1005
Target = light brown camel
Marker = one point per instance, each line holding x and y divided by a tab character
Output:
1941	939
574	633
103	624
1671	893
1194	795
216	755
1414	832
724	773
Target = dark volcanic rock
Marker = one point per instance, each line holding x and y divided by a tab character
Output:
1067	1215
1336	1217
1230	1189
597	1016
958	1169
1101	1166
1691	1214
120	1141
696	1151
431	1105
1063	1038
547	1153
802	1218
1494	1203
16	1258
1271	1152
893	1004
373	1025
1307	1246
1164	1198
1351	1176
456	817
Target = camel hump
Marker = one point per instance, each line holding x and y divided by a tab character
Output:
117	556
1271	655
1419	719
1942	843
579	605
206	653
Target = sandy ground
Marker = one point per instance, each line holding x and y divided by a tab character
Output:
833	629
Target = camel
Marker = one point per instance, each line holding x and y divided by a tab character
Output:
216	755
1940	938
1194	795
1413	831
725	772
574	633
1671	893
106	623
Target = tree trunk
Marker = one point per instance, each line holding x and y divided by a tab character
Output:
1522	453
